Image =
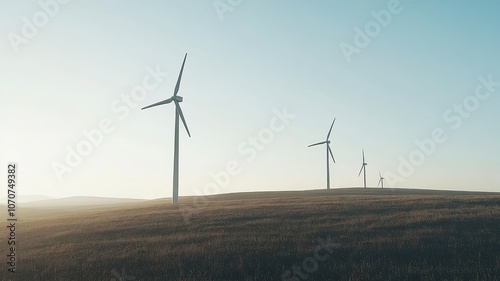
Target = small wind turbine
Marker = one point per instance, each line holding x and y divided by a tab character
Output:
328	154
178	112
363	169
381	180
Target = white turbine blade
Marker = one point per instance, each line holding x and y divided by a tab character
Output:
362	167
379	182
317	143
379	174
158	103
328	136
331	153
177	86
363	156
182	117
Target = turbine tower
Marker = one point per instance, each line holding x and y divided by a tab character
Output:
363	169
381	180
328	154
178	112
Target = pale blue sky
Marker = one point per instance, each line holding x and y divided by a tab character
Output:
262	56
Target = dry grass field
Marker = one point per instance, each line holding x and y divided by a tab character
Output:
342	234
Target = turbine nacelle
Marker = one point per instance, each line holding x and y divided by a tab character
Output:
178	113
381	180
363	169
329	154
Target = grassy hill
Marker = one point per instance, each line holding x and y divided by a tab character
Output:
341	234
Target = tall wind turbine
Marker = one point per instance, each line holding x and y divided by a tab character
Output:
328	154
178	112
381	180
363	169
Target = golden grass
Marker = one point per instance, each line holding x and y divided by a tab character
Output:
375	237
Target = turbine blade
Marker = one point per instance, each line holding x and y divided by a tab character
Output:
158	103
379	174
362	167
331	153
182	117
328	136
317	143
379	182
177	86
363	156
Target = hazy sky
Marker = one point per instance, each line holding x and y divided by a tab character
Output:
263	79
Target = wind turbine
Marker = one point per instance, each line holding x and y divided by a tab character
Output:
328	154
381	180
363	169
178	112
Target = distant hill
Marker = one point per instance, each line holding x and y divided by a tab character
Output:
45	208
27	198
81	201
78	201
351	191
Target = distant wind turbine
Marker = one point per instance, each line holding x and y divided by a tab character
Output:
363	169
328	154
381	180
178	112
